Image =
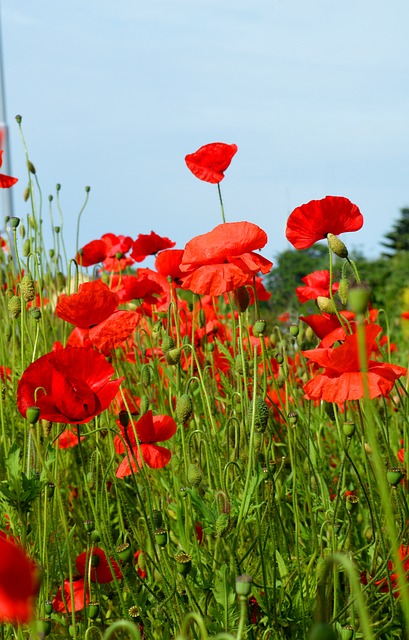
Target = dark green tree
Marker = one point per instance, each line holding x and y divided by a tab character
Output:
398	239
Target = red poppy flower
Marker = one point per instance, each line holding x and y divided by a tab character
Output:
108	334
149	430
167	263
317	284
93	303
284	317
68	439
100	569
19	583
71	385
81	597
148	245
92	253
342	378
116	248
313	221
6	181
138	287
223	259
210	161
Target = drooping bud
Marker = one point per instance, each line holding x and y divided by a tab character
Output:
31	167
343	290
222	524
326	304
337	246
27	288
173	356
194	475
261	414
184	408
14	306
167	343
26	247
241	298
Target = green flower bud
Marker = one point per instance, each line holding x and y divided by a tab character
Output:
27	288
31	167
173	356
26	247
167	343
222	525
337	246
326	304
14	306
241	298
184	408
194	475
343	290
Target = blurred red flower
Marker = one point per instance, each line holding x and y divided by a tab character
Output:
210	161
71	385
93	303
149	244
92	253
19	583
149	430
223	259
313	221
81	598
100	569
167	263
316	284
342	378
6	181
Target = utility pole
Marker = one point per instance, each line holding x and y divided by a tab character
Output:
7	196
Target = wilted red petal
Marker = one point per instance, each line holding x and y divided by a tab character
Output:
147	245
210	161
313	221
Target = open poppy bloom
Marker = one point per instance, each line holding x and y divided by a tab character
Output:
149	430
223	259
100	569
6	181
316	284
81	597
19	583
210	161
70	386
148	245
342	378
315	220
93	303
110	249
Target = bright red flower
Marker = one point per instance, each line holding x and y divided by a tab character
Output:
149	430
93	303
148	245
19	583
71	385
167	263
108	334
81	597
92	253
6	181
223	259
138	287
313	221
100	569
317	284
342	378
211	161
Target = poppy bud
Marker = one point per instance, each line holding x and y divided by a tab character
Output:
87	189
156	329
202	318
239	369
26	247
31	167
144	404
337	246
294	330
19	119
124	552
14	306
146	375
322	631
157	518
57	229
123	418
194	475
167	343
243	585
349	428
58	187
261	414
221	525
93	610
14	222
173	356
326	304
32	415
22	231
32	222
259	328
27	288
51	253
359	298
161	536
141	561
395	475
241	298
343	290
183	563
184	408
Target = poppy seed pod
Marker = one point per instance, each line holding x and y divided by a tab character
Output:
395	475
161	537
32	415
93	610
183	563
243	585
259	327
241	298
124	552
337	246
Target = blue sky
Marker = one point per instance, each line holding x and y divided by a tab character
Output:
114	95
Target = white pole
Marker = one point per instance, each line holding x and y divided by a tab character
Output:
7	197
